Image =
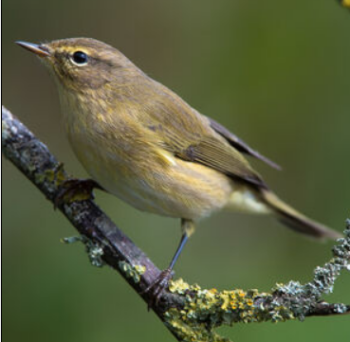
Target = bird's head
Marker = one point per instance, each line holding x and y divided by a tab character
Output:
83	63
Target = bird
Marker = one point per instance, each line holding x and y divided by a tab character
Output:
141	142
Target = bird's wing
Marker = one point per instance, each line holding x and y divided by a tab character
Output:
218	155
187	134
239	144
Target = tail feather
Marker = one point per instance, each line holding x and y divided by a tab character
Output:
296	221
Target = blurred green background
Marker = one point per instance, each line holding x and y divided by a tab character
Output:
277	73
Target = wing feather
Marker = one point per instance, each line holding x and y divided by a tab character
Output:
215	154
239	144
189	135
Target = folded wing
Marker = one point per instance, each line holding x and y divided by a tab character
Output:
239	144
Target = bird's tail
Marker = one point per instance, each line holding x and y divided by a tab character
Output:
296	221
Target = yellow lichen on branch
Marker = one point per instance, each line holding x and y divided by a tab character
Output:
206	309
133	272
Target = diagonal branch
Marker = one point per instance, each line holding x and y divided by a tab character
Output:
189	312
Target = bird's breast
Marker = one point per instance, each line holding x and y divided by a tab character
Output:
126	160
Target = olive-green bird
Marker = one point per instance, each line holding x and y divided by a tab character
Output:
141	142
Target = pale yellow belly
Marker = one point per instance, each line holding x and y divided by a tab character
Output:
174	188
178	191
181	189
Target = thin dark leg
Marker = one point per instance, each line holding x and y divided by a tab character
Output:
156	288
182	244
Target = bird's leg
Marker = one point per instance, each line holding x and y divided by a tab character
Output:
156	288
74	189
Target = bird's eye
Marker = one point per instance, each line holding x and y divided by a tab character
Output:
80	58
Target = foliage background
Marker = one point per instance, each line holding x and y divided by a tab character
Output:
277	73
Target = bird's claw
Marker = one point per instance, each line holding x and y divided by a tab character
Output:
157	287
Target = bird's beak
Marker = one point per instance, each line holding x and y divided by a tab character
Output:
39	50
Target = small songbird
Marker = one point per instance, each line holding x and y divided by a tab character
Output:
141	142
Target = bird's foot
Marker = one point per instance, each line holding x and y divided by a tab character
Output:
74	189
157	287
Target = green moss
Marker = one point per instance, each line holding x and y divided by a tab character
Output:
130	271
95	253
40	178
94	250
56	176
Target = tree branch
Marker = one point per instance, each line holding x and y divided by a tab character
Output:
189	312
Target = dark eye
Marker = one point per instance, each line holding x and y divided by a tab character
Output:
80	57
